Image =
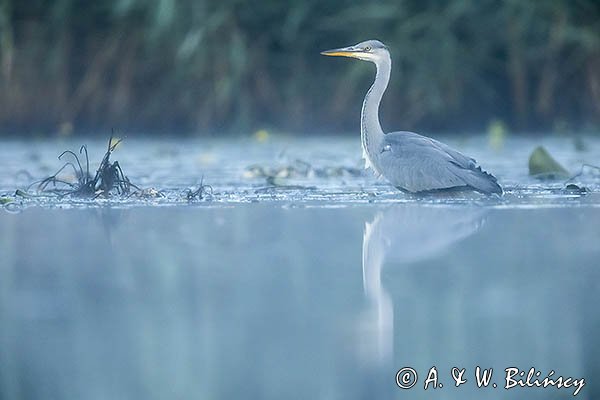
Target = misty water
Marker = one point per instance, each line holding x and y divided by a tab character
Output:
297	276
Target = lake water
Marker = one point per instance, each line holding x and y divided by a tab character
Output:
320	282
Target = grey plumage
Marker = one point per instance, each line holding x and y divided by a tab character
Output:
409	161
431	165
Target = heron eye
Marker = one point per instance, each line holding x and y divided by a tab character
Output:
368	48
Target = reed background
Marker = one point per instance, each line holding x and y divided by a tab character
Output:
204	67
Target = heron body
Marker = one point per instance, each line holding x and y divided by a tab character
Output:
409	161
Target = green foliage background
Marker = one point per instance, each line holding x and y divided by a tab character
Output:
211	66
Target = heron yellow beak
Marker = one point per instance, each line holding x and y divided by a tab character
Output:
342	52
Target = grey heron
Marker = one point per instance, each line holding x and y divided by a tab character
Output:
409	161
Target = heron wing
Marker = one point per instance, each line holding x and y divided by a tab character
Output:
417	163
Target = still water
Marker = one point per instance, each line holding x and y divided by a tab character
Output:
277	293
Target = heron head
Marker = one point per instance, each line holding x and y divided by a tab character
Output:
369	50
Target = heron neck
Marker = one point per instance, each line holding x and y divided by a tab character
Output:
371	132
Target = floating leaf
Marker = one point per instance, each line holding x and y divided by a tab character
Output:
573	188
543	166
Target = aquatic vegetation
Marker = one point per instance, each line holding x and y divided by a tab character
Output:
497	133
73	180
199	193
5	200
586	169
576	189
149	193
261	135
109	177
299	169
9	202
331	178
543	166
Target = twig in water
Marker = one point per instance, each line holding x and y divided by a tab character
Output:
583	166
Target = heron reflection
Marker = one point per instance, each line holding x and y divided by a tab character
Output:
402	235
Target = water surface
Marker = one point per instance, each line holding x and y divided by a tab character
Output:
288	169
323	288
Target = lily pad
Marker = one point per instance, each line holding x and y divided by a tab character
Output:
543	166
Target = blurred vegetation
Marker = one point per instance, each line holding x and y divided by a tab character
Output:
543	166
232	65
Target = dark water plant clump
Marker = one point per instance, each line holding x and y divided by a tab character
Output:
108	179
201	192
